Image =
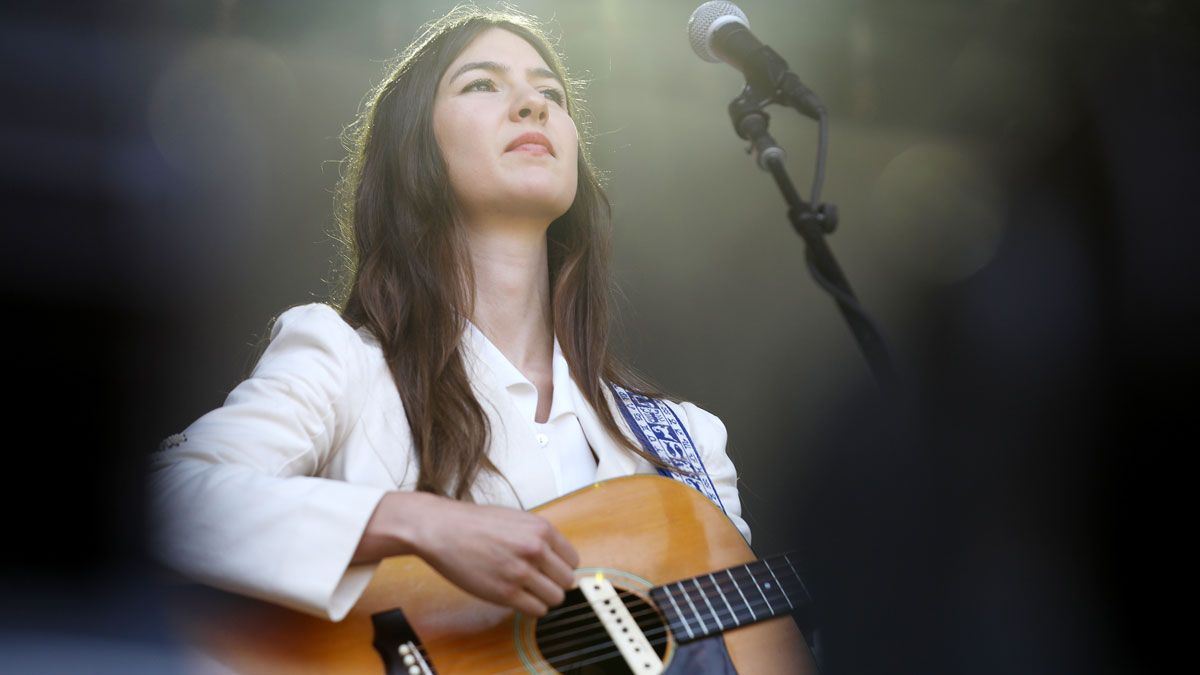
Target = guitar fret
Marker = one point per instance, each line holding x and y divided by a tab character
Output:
760	590
724	605
678	612
710	607
790	582
726	594
777	583
739	590
792	567
703	627
727	605
793	584
793	596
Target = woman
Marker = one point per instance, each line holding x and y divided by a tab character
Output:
465	378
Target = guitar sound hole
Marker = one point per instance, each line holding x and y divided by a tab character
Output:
574	642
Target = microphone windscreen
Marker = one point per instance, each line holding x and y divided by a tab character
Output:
706	20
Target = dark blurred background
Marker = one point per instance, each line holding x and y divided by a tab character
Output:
1016	180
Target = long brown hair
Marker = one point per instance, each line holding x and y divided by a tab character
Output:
405	274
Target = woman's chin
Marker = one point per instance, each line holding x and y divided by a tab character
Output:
542	200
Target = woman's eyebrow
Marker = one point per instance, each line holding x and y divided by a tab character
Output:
501	69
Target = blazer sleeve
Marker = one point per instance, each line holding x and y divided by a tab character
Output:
235	501
710	436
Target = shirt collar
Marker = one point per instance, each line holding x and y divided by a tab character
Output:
508	376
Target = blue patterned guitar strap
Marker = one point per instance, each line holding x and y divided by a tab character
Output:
661	433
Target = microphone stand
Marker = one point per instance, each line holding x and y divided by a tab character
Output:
812	221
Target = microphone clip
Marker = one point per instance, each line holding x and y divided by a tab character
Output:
750	121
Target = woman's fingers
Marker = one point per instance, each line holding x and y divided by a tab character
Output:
502	555
564	549
543	572
526	588
544	589
557	570
526	603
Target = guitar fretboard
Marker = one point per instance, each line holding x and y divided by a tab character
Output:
738	596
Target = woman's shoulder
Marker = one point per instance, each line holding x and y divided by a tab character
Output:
314	316
698	421
696	415
323	322
705	427
314	341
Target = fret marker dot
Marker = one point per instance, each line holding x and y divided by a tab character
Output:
767	585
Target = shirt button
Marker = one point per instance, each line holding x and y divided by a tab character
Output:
543	439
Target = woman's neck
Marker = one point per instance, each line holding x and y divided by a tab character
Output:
512	294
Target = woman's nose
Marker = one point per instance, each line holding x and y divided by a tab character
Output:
531	103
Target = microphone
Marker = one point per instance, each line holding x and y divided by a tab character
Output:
719	31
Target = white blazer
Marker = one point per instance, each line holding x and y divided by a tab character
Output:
269	494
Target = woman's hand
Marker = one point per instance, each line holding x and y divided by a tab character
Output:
502	555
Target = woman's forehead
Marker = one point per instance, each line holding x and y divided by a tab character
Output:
502	48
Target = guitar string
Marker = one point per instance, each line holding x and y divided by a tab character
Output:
575	664
648	611
724	615
604	656
721	625
788	574
588	661
795	585
605	643
602	645
765	564
593	659
725	619
584	613
562	661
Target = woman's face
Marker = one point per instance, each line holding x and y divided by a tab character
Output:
496	93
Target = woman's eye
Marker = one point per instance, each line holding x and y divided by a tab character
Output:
487	85
480	85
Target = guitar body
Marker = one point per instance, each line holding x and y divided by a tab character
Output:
637	531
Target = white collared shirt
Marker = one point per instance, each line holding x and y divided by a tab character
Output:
560	438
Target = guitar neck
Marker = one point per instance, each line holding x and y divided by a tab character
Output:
730	598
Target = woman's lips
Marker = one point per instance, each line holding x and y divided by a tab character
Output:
531	142
531	148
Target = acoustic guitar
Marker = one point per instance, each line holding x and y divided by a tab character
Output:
662	573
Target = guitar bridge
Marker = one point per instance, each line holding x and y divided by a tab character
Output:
398	645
